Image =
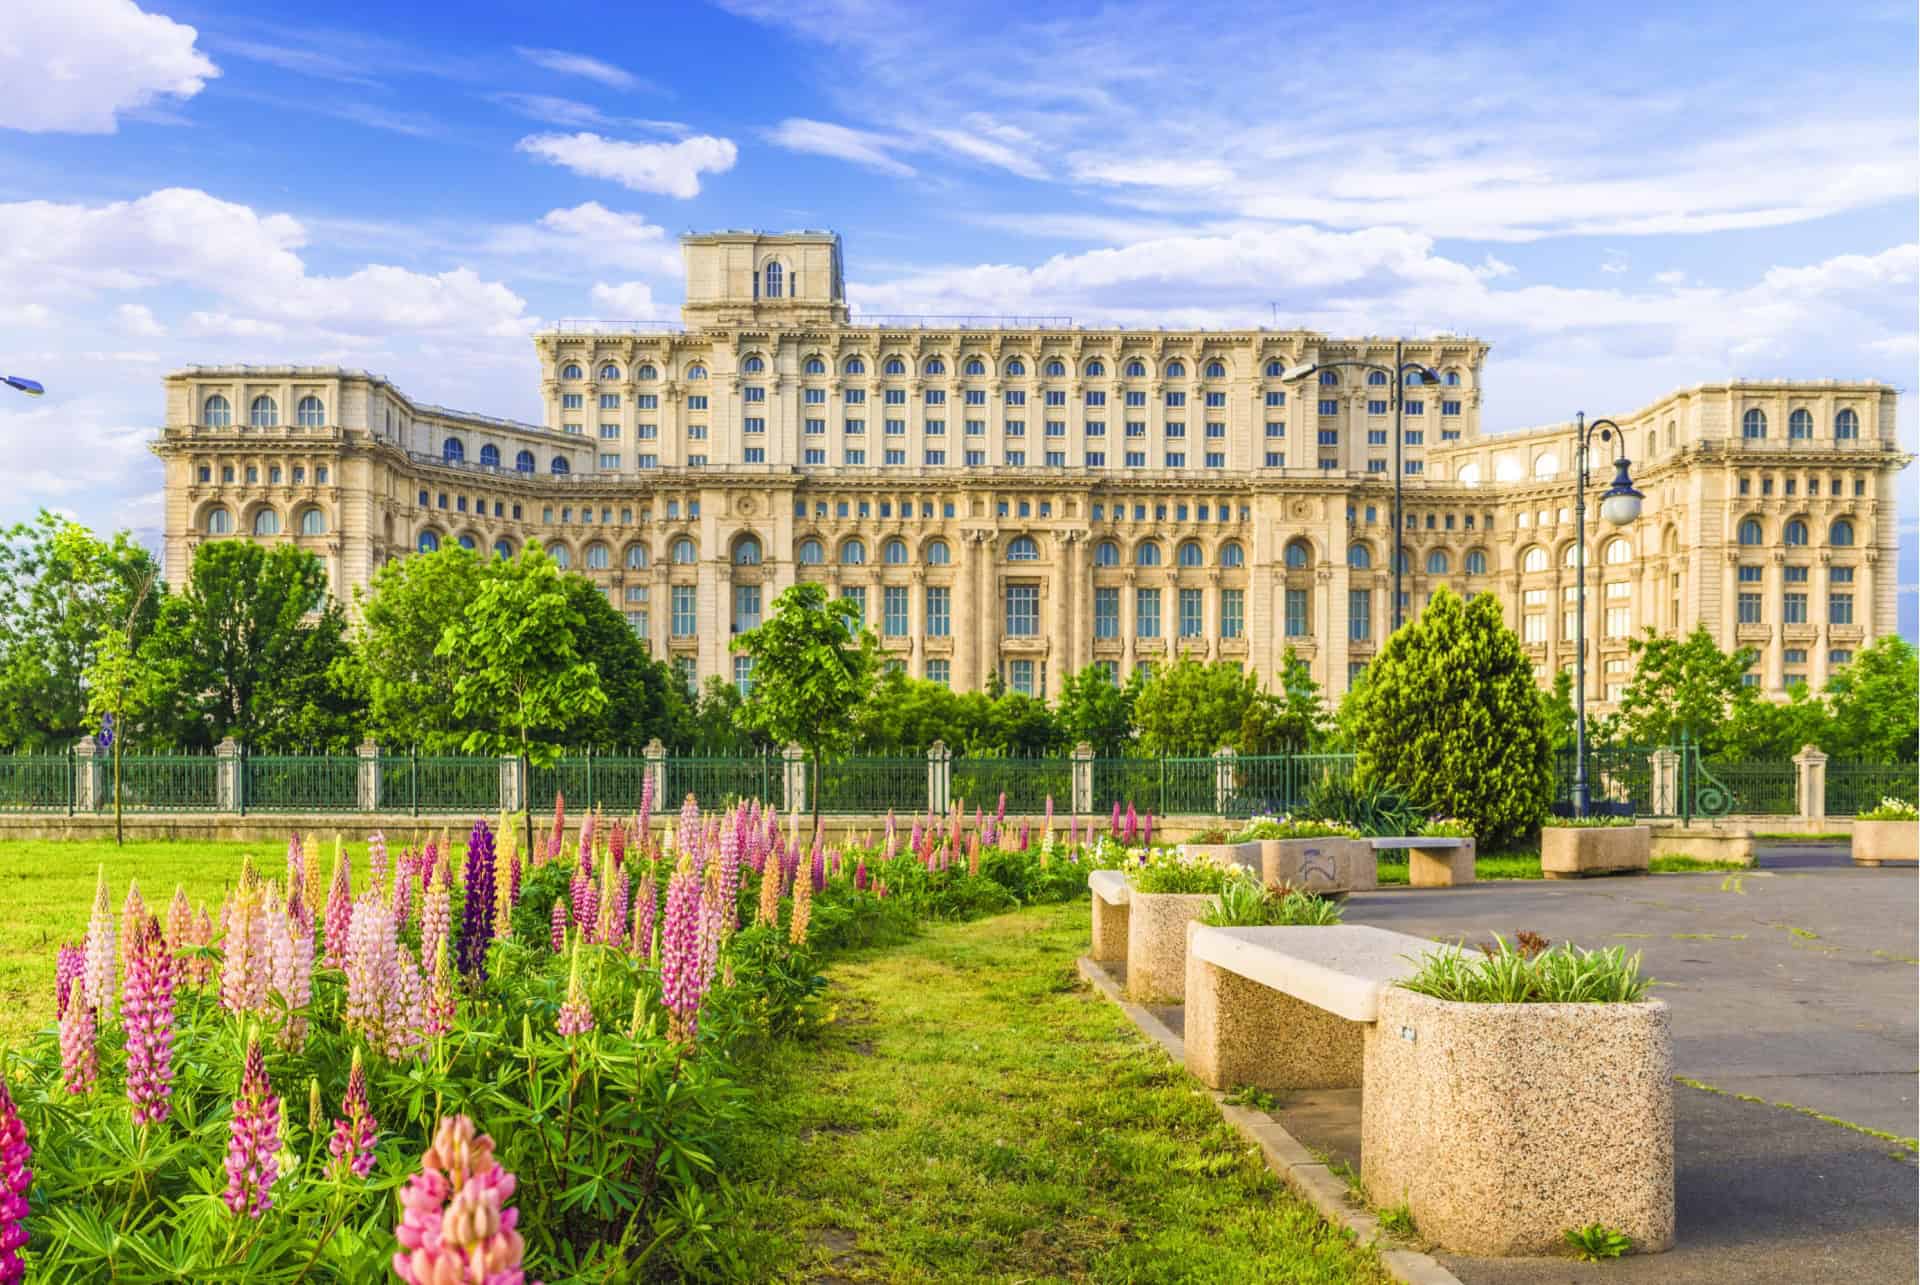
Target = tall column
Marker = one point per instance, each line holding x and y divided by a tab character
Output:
1817	612
1081	646
715	596
1729	601
917	623
1336	578
1059	609
1210	620
1129	625
659	613
1865	595
1772	671
965	640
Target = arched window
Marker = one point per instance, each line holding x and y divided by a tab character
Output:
313	522
1476	562
1413	379
894	366
1147	555
1299	555
1846	426
1653	442
855	366
264	413
561	555
453	450
1535	559
696	372
938	554
637	558
1437	563
1176	370
1359	557
1232	555
1452	378
523	462
1750	531
1016	367
219	521
559	467
894	552
1754	423
1800	425
1329	378
266	522
1056	368
571	371
609	371
1617	552
1136	369
490	455
1106	554
974	366
1546	465
1190	555
467	542
310	413
503	548
811	553
853	553
1023	549
1375	378
1840	534
1216	370
815	366
683	553
429	542
217	413
1795	533
753	365
1096	368
1275	369
746	551
599	557
647	372
775	279
1569	555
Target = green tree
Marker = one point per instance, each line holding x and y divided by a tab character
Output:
644	699
119	687
61	591
1873	702
813	667
1762	730
396	664
1095	709
522	682
1192	707
1450	715
1684	684
1556	705
1289	722
711	725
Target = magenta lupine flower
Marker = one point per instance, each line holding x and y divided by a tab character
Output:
1146	835
579	890
456	1225
15	1178
253	1141
377	862
1130	830
617	841
339	909
689	819
680	952
436	913
617	920
559	937
148	1008
68	966
98	973
352	1143
860	874
79	1055
1113	827
576	1015
645	908
1026	835
476	917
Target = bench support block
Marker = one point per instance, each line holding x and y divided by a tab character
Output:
1239	1032
1440	867
1109	931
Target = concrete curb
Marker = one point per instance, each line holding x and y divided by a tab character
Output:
1291	1162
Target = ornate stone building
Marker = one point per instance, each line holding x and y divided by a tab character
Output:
1021	496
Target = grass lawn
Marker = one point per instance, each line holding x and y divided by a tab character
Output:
1492	865
971	1111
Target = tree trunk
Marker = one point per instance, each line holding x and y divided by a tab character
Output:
119	831
813	788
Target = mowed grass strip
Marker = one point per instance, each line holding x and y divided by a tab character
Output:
971	1111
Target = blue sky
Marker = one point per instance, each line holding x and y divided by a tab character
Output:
1622	199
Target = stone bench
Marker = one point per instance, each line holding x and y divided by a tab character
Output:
1110	897
1433	863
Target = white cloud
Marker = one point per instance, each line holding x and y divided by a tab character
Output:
983	141
593	234
1670	278
137	319
671	169
571	64
203	324
1179	175
628	300
74	66
823	138
1898	266
24	314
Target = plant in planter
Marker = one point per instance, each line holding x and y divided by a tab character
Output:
1246	904
1167	894
1323	856
1574	847
1262	829
1496	1154
1887	832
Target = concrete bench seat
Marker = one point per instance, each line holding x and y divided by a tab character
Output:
1287	1008
1110	913
1109	886
1422	842
1433	863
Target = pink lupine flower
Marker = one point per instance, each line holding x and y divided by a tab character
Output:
403	882
386	996
440	1004
79	1055
98	974
352	1143
246	970
339	909
149	1021
293	964
645	908
1113	827
1130	830
622	899
179	921
296	863
576	1015
689	819
200	967
377	863
253	1141
403	1022
436	913
711	930
456	1225
588	824
1146	834
617	841
559	931
1026	836
580	891
68	966
729	888
15	1179
680	953
559	825
860	874
133	912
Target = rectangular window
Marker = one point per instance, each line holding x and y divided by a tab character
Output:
1359	613
1216	399
939	615
1533	629
1020	676
1233	613
649	461
1376	408
746	607
855	426
976	397
893	611
1216	459
1329	406
753	394
1146	613
649	432
1276	429
609	432
1840	575
815	455
1056	459
1016	459
1449	408
896	397
935	397
1192	613
1136	428
1176	459
976	459
1415	466
1023	611
1136	399
856	456
1056	428
1216	429
855	396
1749	607
1276	398
1176	429
815	397
755	455
896	457
686	669
1416	408
1176	399
684	615
1297	613
896	428
1416	437
609	461
1136	459
1056	397
1376	437
815	427
753	424
1839	608
1096	459
940	671
1276	459
936	428
1106	613
743	675
1795	612
936	459
857	595
1016	398
696	432
573	401
696	401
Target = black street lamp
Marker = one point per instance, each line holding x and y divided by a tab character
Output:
1399	372
1619	505
31	387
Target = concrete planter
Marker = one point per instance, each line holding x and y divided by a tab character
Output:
1500	1126
1329	865
1574	852
1441	867
1878	843
1157	943
1237	1031
1244	855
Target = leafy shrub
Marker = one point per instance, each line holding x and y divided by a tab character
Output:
1289	828
1244	903
1507	974
1445	828
1370	807
1589	822
1891	809
1597	1241
1217	834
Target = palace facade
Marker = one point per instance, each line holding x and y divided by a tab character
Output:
1022	497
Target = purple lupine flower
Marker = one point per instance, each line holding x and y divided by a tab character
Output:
68	966
576	1015
680	953
79	1053
98	973
253	1141
15	1179
586	911
352	1143
148	1009
476	919
559	937
339	908
377	862
456	1224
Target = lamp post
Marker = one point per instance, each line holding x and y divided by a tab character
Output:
1619	505
1398	378
31	387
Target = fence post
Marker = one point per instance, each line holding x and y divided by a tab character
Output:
369	783
1664	794
1222	779
588	753
510	800
657	772
86	775
939	777
227	795
1082	779
793	787
1812	765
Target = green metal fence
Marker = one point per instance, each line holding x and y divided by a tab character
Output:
410	783
872	784
609	781
1853	788
162	783
1758	789
299	783
1619	780
719	781
36	783
1027	782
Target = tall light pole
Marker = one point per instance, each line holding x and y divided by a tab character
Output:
1619	505
1402	368
31	387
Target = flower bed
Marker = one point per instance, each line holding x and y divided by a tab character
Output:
545	1044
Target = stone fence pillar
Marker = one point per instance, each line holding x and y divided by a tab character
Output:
1812	780
227	794
794	778
512	786
89	786
367	792
656	756
1082	779
1664	792
939	777
1223	771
